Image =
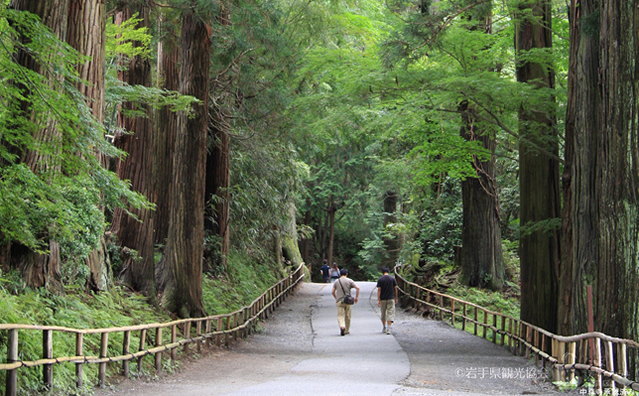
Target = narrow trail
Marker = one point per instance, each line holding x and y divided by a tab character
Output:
300	352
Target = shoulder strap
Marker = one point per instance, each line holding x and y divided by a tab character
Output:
340	285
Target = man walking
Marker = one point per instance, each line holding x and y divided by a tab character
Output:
342	287
325	272
386	299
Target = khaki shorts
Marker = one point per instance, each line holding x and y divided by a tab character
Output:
388	310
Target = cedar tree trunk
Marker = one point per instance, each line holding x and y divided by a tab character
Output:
86	33
182	276
539	178
136	235
482	263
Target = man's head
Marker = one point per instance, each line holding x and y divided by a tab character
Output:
343	272
385	270
325	261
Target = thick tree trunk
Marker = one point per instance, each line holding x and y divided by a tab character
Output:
290	247
539	179
602	138
165	126
86	33
482	263
392	243
183	268
138	269
616	292
579	230
218	176
37	269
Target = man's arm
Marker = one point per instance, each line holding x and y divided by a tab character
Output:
333	293
379	294
357	295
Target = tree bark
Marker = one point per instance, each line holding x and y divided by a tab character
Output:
165	126
482	263
183	255
218	177
539	178
290	247
579	228
615	287
138	269
39	270
86	33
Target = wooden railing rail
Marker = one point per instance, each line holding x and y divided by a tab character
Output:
221	329
563	354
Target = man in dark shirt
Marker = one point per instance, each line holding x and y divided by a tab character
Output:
325	272
386	299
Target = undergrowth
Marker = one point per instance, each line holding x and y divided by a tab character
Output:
246	279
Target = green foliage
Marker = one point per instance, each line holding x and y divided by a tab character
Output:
247	277
127	40
73	309
494	301
53	198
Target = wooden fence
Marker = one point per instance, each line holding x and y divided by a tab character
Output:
597	353
219	329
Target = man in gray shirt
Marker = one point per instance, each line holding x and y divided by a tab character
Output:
341	288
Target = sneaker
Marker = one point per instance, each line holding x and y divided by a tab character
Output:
388	331
347	332
384	329
342	331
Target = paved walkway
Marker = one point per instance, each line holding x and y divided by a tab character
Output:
300	352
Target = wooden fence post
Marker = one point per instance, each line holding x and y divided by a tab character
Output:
622	362
452	310
495	328
218	337
142	347
126	348
572	355
158	355
12	357
187	335
173	340
47	353
485	322
104	344
198	332
476	318
227	335
503	330
610	363
79	341
464	320
597	363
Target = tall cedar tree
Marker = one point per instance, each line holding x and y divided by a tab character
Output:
583	114
539	175
182	270
218	166
165	129
86	33
41	269
137	234
601	142
482	262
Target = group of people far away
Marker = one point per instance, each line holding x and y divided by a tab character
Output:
330	274
386	299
